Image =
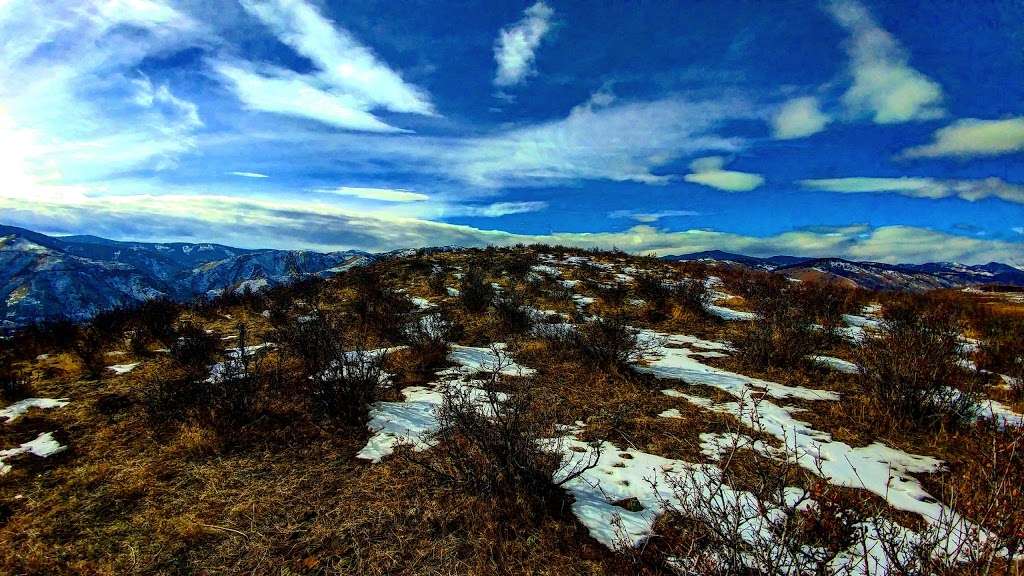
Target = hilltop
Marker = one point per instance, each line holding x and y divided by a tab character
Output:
534	410
76	277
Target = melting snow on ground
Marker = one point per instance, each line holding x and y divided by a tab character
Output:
877	468
414	420
43	446
681	363
14	411
123	368
471	359
837	364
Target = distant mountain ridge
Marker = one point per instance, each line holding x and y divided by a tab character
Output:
872	275
44	277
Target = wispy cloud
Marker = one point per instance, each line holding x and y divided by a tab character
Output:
620	142
256	223
249	174
515	48
650	217
885	86
285	92
973	137
350	82
67	120
708	172
497	209
345	64
798	118
971	190
383	194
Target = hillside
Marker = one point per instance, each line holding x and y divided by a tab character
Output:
531	410
75	277
870	275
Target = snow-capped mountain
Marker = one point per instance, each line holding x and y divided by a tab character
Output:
75	277
873	275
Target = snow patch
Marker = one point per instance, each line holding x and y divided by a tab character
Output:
14	411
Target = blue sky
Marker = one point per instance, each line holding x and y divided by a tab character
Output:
889	131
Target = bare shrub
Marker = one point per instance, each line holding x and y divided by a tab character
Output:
608	341
437	282
512	313
341	383
345	389
744	515
233	390
13	384
912	366
474	291
88	346
695	296
429	338
784	335
825	303
1002	348
493	443
378	308
518	263
194	349
653	289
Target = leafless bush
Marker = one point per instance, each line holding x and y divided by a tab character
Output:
742	514
694	295
13	384
341	383
512	313
345	389
912	366
194	349
378	308
88	346
784	335
429	338
1002	348
233	390
608	341
495	444
437	282
474	291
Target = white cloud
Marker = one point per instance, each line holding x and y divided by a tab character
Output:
497	209
282	224
973	137
515	48
346	65
708	172
1018	229
285	92
384	194
623	142
348	86
971	190
91	115
249	174
798	118
885	86
650	217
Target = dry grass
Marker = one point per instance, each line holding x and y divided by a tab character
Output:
283	494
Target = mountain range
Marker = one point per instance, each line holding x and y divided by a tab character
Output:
871	275
75	277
